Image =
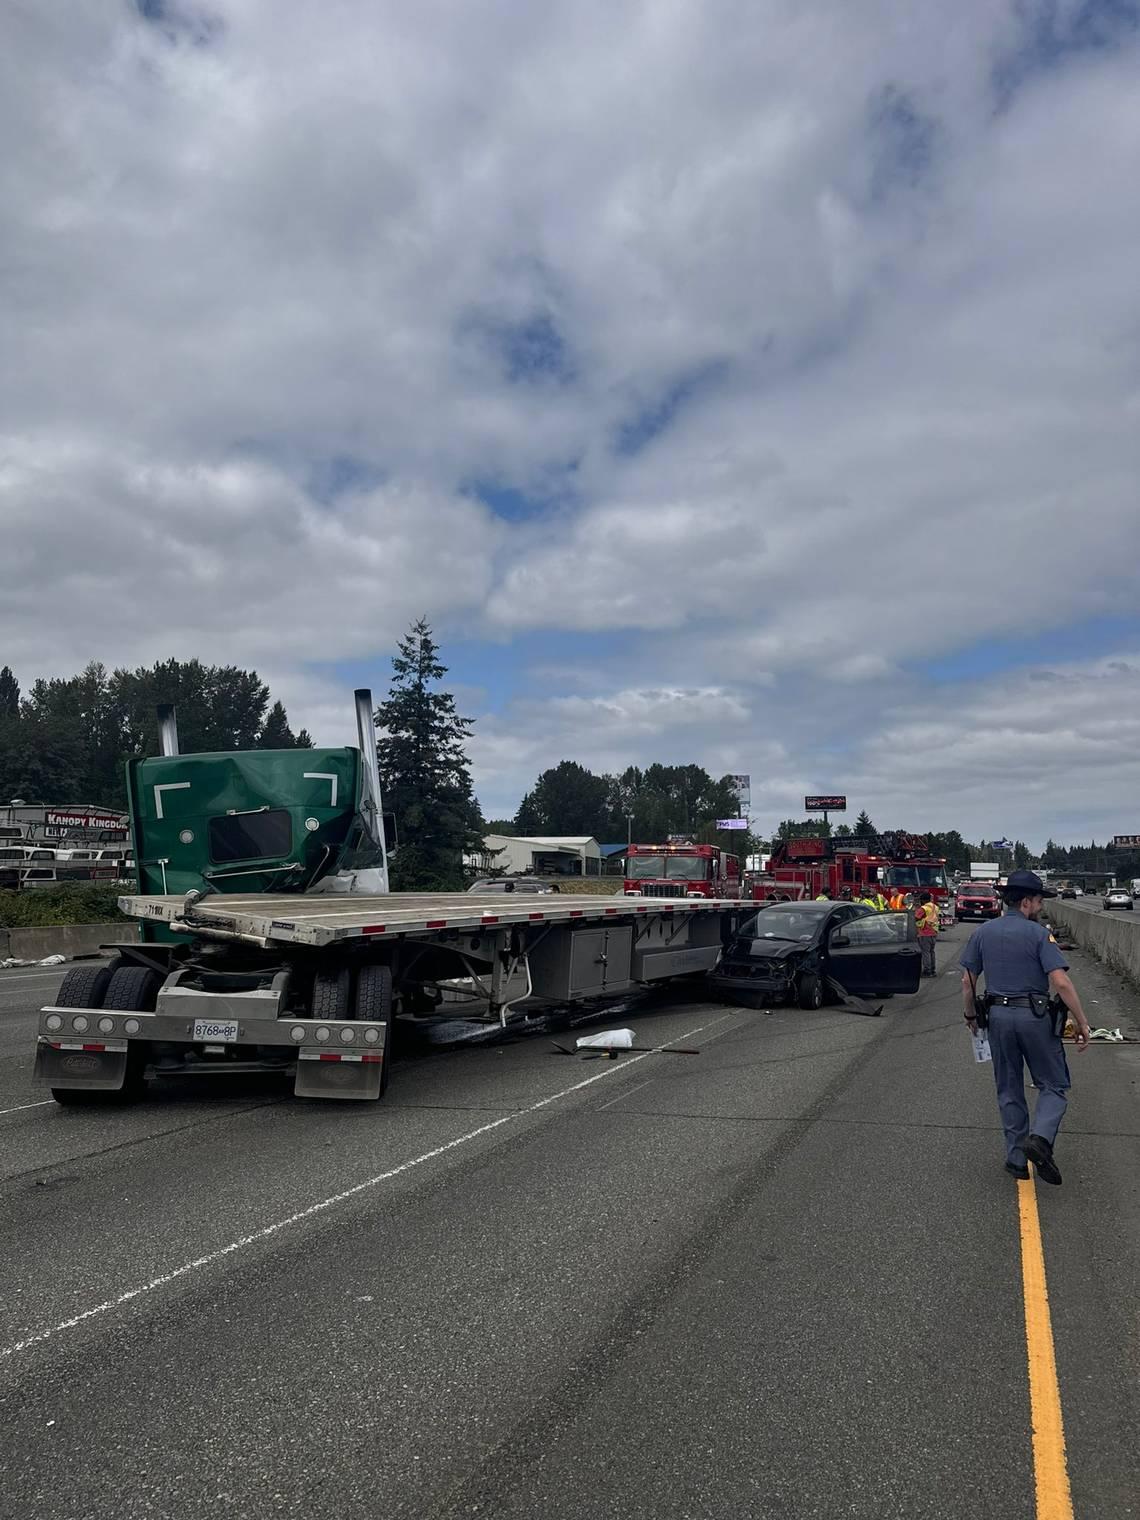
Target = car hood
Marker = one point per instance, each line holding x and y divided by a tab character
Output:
766	949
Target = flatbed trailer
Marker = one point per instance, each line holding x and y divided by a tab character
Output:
314	983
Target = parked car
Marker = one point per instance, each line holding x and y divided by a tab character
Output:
977	899
530	885
1117	897
787	952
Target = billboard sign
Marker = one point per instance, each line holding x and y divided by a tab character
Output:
84	818
829	804
1126	841
742	786
732	823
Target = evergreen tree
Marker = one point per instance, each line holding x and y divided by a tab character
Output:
275	731
42	760
566	800
9	694
304	739
426	775
863	825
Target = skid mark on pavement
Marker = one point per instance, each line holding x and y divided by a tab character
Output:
245	1241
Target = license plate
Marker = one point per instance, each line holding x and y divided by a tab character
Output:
217	1031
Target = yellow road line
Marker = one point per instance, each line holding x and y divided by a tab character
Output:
1050	1469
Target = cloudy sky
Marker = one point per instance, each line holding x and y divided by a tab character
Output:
754	382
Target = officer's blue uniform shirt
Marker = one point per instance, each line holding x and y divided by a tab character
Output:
1015	953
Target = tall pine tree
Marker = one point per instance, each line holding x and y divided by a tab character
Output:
275	731
9	694
424	769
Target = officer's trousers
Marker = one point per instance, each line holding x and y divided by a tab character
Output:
926	943
1017	1035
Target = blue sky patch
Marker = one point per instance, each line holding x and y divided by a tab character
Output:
334	476
1049	40
527	352
994	655
515	502
650	420
903	141
180	21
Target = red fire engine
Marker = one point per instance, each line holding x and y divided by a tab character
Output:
681	870
803	867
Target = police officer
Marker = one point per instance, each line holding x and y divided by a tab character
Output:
1022	963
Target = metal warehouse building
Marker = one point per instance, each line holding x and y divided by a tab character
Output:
544	855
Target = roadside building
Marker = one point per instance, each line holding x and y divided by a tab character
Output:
542	855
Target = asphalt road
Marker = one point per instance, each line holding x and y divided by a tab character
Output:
778	1279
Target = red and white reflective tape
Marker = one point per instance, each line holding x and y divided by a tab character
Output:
111	1045
365	1057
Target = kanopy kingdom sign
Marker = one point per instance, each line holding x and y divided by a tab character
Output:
829	804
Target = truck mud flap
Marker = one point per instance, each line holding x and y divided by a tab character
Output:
103	1070
321	1077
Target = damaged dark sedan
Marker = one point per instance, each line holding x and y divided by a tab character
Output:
810	952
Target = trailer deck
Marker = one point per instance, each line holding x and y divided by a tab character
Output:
317	920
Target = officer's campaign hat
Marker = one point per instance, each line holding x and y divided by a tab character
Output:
1028	884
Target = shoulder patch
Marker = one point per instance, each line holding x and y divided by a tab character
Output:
1052	939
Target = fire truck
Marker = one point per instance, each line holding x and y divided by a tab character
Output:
802	867
681	870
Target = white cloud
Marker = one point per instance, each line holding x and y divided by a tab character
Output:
871	276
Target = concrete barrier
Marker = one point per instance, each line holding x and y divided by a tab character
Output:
63	939
1113	938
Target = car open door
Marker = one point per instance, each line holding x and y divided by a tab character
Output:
875	954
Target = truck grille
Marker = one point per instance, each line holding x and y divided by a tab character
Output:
663	889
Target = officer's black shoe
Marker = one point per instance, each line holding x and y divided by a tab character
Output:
1017	1171
1040	1152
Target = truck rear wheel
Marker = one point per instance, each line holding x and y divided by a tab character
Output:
332	995
373	1000
85	987
132	989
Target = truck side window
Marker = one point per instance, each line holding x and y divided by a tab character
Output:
251	836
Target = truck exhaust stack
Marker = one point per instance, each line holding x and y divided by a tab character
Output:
167	729
366	729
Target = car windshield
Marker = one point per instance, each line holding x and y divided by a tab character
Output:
917	876
668	867
790	923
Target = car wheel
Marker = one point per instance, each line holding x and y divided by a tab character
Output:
810	991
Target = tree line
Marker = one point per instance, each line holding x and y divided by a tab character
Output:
646	805
68	740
